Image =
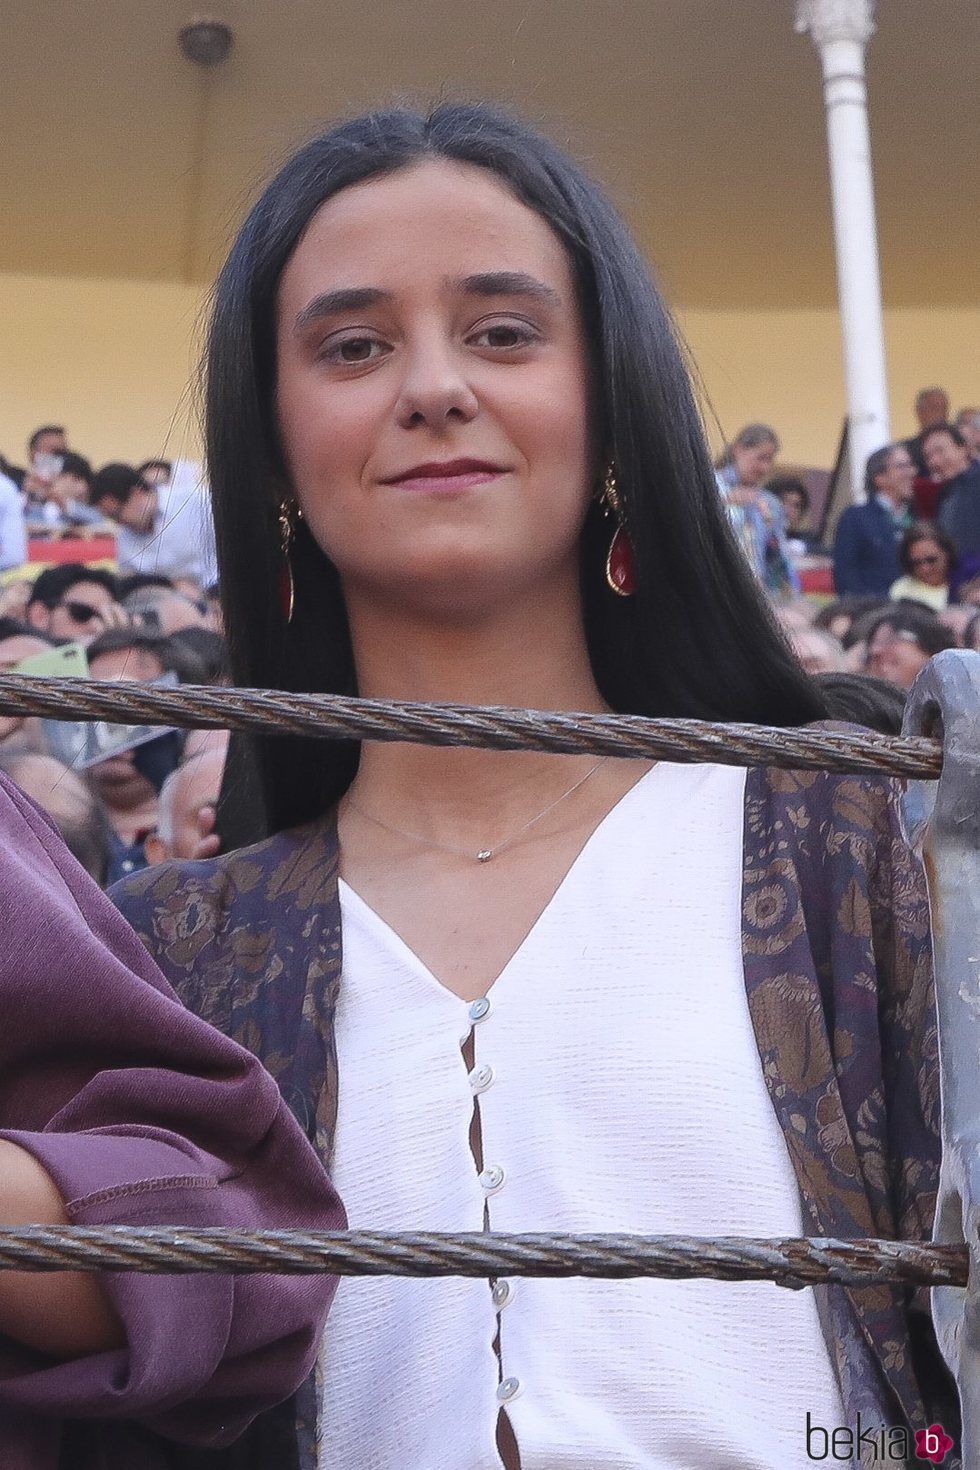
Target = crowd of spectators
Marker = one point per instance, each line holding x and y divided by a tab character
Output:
121	796
906	567
906	561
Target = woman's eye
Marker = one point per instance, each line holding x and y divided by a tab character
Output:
353	351
505	334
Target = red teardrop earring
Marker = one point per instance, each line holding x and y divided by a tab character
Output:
287	589
620	562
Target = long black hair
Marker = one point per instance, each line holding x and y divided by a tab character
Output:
697	638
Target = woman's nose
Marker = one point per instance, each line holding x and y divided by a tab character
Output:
435	390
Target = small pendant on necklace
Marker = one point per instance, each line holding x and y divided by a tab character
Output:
485	855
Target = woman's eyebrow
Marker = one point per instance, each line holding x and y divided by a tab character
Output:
346	298
485	283
507	283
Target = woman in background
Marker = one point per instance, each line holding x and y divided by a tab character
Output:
757	516
927	557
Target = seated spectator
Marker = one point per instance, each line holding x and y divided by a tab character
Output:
903	641
188	802
69	802
971	635
46	447
856	641
931	408
68	493
19	641
210	648
862	700
74	602
926	556
129	782
13	529
137	653
142	581
165	610
121	495
818	651
756	516
868	536
968	423
164	529
794	497
837	617
49	439
156	472
958	473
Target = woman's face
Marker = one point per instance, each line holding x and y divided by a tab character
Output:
895	655
433	395
754	462
928	563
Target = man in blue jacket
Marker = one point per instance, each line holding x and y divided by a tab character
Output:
868	536
951	462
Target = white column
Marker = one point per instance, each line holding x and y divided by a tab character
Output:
841	30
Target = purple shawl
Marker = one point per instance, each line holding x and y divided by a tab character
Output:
143	1115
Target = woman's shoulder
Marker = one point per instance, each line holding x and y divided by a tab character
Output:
827	804
295	868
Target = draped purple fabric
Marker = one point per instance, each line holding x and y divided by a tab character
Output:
143	1115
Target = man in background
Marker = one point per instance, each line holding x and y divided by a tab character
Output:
868	536
74	603
46	447
165	527
952	465
931	408
188	802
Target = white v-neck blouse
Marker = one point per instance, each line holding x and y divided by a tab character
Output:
619	1089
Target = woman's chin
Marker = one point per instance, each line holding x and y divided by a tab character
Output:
463	587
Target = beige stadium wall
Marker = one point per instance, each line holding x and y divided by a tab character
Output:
785	368
115	361
111	360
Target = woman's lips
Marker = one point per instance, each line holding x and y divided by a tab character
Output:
433	484
435	477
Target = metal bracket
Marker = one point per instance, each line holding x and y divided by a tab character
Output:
942	821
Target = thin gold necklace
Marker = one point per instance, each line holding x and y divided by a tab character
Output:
485	853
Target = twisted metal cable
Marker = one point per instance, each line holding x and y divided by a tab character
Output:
340	717
793	1263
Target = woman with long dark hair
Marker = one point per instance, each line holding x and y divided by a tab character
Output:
455	455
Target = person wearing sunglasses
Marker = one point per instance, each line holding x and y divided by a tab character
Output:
82	620
74	602
927	556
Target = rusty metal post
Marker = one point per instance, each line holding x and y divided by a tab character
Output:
943	821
